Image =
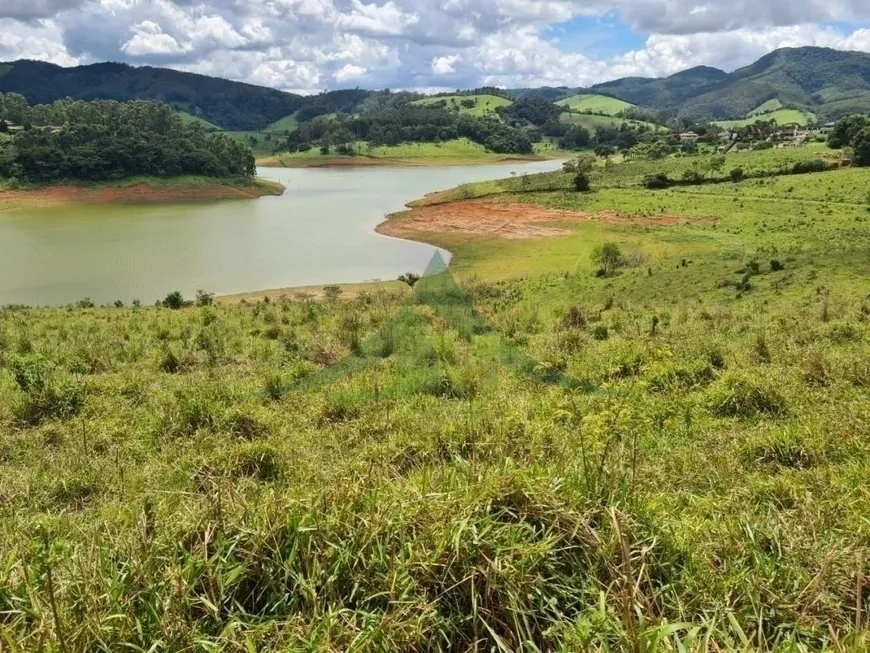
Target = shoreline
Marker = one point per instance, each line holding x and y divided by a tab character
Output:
139	190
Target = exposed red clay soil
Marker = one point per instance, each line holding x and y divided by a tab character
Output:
56	195
508	220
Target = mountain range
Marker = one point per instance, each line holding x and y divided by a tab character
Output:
829	83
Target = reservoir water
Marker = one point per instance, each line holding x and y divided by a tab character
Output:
320	231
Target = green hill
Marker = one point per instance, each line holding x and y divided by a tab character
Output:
781	117
767	107
188	118
595	104
828	82
287	123
593	122
482	104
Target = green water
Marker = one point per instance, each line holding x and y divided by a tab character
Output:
320	231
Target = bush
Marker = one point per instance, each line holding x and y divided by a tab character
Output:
741	396
657	181
332	293
608	257
204	298
581	182
58	397
736	175
776	266
600	332
174	301
693	177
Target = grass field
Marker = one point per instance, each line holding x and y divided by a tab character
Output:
767	107
261	143
668	457
287	123
596	103
780	116
188	118
594	122
483	104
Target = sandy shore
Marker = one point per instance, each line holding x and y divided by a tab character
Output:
135	193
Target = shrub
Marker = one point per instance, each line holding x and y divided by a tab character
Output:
658	181
600	332
609	257
736	175
574	318
59	397
692	177
174	301
581	182
332	293
740	396
776	266
204	298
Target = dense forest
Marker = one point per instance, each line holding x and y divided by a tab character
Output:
107	140
408	124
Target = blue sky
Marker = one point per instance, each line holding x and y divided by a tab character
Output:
312	45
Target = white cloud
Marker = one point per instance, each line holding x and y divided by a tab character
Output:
308	45
41	40
445	65
349	72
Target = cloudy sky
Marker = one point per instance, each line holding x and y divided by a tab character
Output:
311	45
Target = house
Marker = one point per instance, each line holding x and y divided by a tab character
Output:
12	127
689	137
827	128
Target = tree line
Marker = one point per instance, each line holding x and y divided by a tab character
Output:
408	123
105	140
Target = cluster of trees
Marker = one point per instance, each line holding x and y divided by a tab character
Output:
853	131
106	140
408	124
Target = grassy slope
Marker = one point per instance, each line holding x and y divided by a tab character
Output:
437	498
593	122
484	104
188	118
767	107
781	116
263	144
287	123
596	103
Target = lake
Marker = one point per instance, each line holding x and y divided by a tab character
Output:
320	231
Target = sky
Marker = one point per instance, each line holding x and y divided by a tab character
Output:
307	46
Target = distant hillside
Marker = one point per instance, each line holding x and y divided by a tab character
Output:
595	104
230	105
827	82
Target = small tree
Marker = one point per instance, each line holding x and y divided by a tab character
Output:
409	278
736	175
204	298
861	148
608	257
332	292
581	182
174	300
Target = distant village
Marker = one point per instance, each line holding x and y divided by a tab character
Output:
787	135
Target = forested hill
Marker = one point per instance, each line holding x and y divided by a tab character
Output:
830	83
231	105
105	140
827	83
